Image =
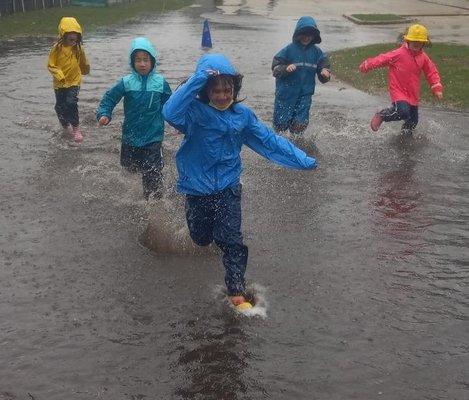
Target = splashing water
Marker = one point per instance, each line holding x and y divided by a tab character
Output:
254	291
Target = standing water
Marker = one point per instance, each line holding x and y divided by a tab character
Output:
360	267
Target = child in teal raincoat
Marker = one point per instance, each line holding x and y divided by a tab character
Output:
295	68
145	92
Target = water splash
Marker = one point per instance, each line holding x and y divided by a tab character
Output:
254	291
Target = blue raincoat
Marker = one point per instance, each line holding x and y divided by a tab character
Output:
144	96
208	160
294	90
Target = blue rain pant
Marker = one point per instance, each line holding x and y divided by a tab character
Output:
292	113
401	110
217	218
149	161
66	105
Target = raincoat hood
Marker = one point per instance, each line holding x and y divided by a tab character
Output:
307	24
217	62
144	44
69	24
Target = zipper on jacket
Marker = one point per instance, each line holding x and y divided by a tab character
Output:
215	172
151	99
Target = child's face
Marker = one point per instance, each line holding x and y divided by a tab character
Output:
305	39
71	39
416	46
221	94
142	62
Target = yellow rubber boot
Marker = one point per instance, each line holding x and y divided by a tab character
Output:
240	303
244	306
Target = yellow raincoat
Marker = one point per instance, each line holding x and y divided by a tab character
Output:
67	63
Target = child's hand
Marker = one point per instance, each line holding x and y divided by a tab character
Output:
438	95
291	68
326	73
362	67
103	121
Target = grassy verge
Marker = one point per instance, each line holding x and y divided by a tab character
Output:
44	22
377	18
452	61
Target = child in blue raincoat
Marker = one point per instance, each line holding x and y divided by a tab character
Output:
295	68
215	125
144	91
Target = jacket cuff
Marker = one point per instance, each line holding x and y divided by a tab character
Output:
437	87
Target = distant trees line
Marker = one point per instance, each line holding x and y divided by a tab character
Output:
14	6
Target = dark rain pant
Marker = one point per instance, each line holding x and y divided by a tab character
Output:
66	105
401	110
218	218
149	161
292	114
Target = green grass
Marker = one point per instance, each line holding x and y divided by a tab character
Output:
452	61
45	22
378	17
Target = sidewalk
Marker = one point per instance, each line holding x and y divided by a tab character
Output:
432	13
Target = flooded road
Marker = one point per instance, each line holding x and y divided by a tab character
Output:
362	265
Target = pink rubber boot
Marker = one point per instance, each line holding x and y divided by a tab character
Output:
77	135
376	122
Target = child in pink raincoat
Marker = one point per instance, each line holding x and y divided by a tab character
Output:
405	65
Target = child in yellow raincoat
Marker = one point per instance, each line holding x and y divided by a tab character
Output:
67	63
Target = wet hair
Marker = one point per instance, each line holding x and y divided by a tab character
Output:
63	38
152	59
234	81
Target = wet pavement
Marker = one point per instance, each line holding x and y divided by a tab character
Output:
361	267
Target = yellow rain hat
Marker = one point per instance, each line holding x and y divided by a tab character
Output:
417	33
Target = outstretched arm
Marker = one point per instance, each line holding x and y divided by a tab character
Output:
274	147
176	109
379	61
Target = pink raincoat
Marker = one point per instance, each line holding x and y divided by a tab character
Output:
405	66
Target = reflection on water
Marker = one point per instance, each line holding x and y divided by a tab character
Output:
397	208
214	359
365	259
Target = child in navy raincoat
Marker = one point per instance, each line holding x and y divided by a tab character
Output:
205	109
144	91
295	68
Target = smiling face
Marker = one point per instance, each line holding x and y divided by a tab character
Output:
142	62
305	39
221	93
